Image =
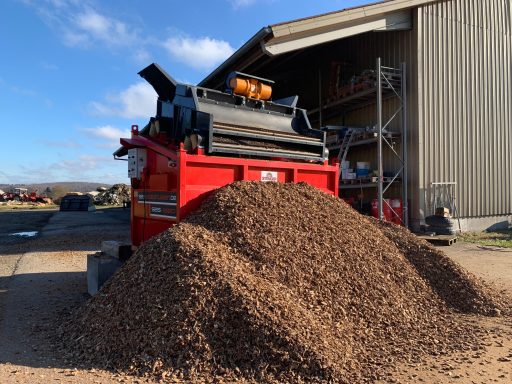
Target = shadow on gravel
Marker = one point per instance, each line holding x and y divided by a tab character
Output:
21	221
34	302
61	231
33	306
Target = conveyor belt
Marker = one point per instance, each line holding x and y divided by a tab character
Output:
262	151
233	130
241	140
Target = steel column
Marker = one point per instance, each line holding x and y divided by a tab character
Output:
320	107
404	146
379	141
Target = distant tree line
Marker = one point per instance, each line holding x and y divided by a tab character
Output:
56	193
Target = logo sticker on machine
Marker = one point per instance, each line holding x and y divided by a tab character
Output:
164	198
268	176
164	211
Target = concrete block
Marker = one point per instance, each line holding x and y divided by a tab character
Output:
100	268
121	251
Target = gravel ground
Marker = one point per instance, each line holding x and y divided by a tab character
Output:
494	365
41	278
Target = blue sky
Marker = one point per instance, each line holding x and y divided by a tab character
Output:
68	72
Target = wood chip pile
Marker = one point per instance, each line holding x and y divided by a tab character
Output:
276	282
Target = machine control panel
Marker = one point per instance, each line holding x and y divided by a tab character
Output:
136	162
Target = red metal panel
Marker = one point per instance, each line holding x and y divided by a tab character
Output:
170	189
317	178
212	174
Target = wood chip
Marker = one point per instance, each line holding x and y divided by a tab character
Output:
272	282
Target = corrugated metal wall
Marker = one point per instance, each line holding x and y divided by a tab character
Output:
465	102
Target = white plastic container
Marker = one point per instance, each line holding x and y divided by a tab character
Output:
345	164
363	165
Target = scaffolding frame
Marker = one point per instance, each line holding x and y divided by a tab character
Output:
385	75
390	83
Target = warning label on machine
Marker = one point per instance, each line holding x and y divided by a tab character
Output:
164	211
164	198
268	176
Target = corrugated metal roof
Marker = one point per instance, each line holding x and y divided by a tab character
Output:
307	34
330	13
316	25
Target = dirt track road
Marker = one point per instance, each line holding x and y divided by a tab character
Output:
44	276
40	278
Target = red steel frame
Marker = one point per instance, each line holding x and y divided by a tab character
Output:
175	182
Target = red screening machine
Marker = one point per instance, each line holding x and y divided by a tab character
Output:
202	139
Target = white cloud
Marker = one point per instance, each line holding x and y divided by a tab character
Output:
60	3
85	163
108	135
91	26
78	23
201	53
83	24
27	92
94	23
142	56
137	101
70	144
241	3
49	66
74	39
108	132
48	103
82	167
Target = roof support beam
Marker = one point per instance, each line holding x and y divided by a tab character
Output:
401	20
359	13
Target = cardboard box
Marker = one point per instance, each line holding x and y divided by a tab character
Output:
345	172
442	211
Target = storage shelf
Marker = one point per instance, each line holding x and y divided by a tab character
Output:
365	184
371	140
387	83
355	101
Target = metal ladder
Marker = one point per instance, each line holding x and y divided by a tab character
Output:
345	144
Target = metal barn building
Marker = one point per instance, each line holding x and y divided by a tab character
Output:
452	112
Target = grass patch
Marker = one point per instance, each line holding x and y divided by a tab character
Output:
499	238
26	207
108	206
